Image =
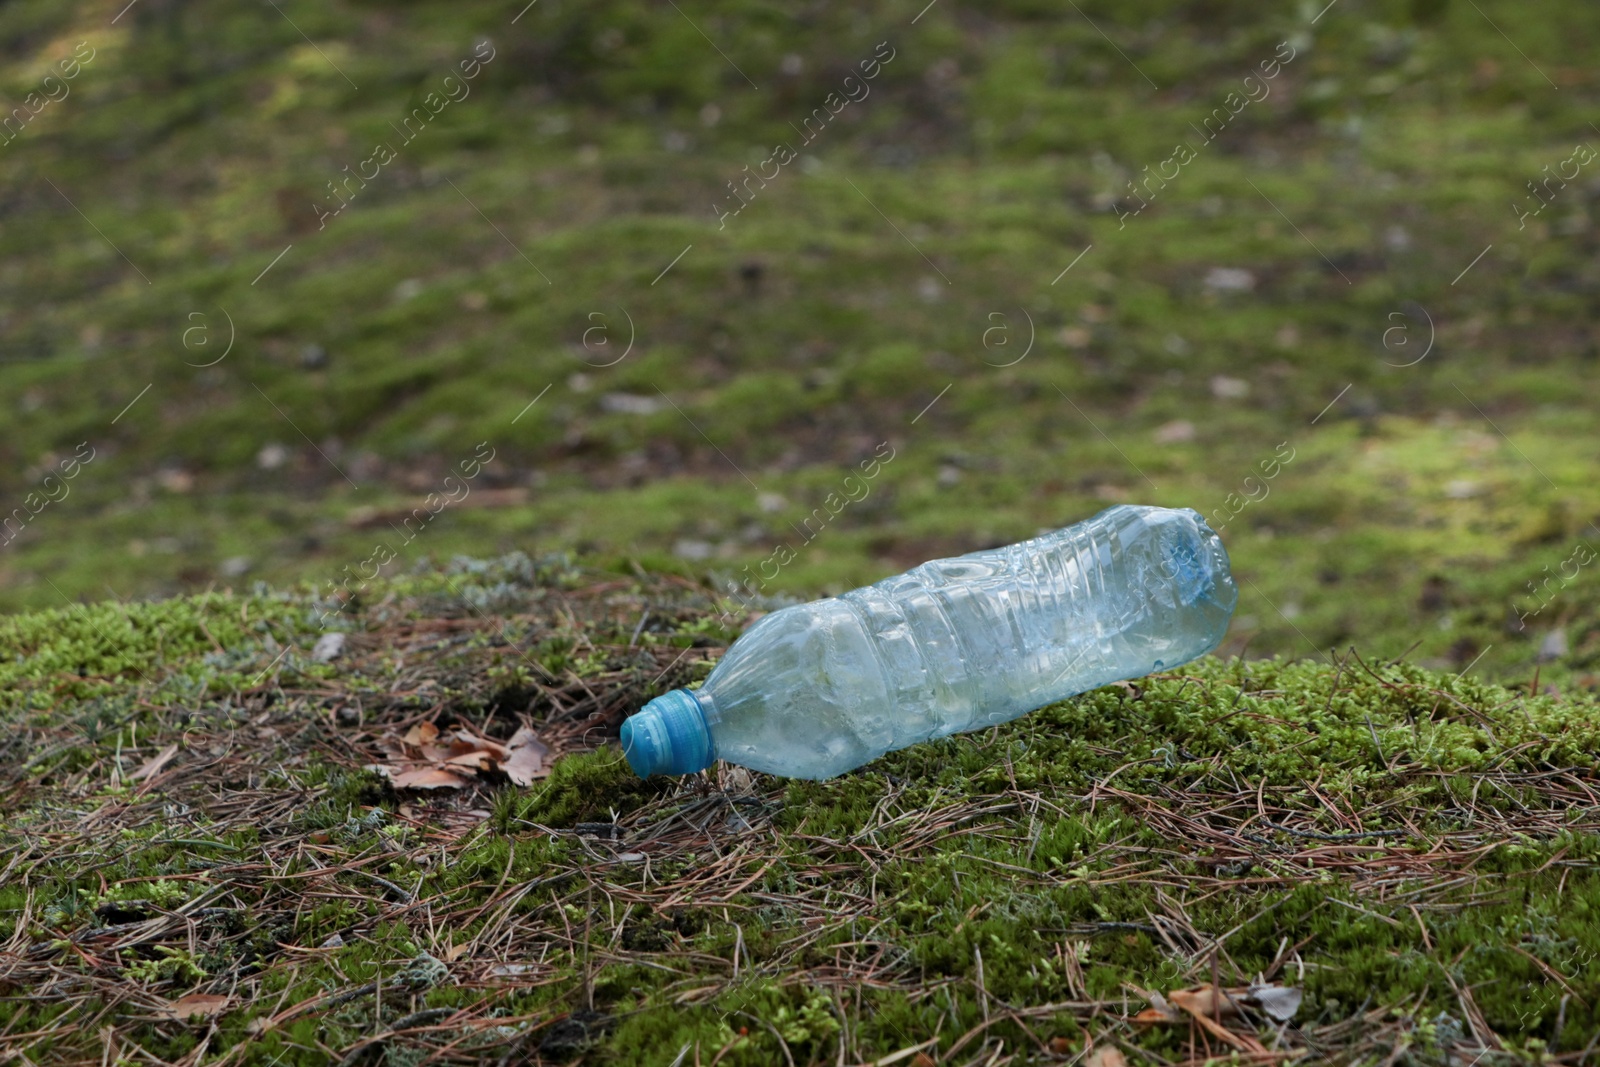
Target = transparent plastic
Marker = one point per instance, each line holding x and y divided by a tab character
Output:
959	644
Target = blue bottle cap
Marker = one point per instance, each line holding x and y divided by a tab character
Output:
668	736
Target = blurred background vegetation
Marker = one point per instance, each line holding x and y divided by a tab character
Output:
1274	299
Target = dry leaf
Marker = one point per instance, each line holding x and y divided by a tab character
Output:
393	747
1202	1004
737	780
428	759
477	760
1204	1000
423	733
495	749
512	970
153	765
1280	1002
1060	1046
203	1004
428	778
1207	1002
1159	1010
922	1059
1105	1056
526	757
455	952
329	647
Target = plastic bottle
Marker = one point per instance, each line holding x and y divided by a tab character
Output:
814	690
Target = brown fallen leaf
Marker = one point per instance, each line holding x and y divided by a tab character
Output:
1105	1056
1060	1046
427	758
467	742
201	1004
526	757
1159	1010
1205	1000
423	733
153	765
476	760
428	778
1202	1005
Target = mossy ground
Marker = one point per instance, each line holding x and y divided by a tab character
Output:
1007	887
1429	497
1419	852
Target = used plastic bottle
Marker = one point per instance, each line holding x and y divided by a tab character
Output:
814	690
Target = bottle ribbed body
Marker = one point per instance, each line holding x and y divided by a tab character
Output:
958	644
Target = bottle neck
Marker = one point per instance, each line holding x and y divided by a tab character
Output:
670	735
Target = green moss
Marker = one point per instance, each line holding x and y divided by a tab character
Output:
1040	853
587	787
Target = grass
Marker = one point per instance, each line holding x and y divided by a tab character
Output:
1415	851
874	292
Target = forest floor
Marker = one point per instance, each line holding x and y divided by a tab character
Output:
1377	862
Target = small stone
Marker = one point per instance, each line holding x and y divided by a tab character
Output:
1230	280
691	549
175	480
630	404
328	648
1074	336
272	456
1554	645
1226	388
1175	432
